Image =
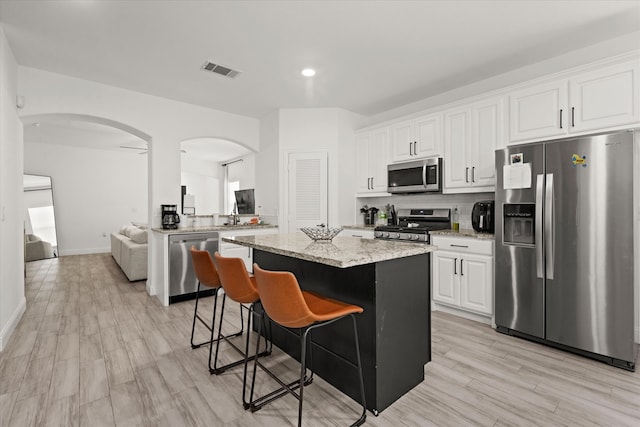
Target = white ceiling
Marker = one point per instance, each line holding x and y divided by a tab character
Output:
370	56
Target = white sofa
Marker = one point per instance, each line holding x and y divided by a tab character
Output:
129	248
36	248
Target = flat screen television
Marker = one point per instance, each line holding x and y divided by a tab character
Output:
245	201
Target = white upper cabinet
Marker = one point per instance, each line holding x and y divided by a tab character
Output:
416	138
538	111
595	100
372	158
605	98
472	134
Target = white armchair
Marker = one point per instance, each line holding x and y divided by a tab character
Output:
36	248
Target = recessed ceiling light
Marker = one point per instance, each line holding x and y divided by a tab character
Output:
35	124
308	72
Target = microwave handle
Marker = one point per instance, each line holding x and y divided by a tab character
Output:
424	174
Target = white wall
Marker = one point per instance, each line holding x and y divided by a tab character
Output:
203	180
321	129
164	121
268	167
12	299
95	192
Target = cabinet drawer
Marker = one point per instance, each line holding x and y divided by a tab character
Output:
463	245
357	232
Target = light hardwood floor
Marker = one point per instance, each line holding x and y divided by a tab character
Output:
93	349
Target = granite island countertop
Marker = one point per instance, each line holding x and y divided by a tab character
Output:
463	233
341	252
219	228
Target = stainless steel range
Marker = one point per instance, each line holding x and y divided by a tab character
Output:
414	225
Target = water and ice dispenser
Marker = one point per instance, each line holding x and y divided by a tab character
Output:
519	223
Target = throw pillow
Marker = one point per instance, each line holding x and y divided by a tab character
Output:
138	236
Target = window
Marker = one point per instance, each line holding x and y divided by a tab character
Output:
44	224
231	195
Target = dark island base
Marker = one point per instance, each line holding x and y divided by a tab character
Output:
395	328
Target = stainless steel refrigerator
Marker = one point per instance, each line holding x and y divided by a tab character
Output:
564	264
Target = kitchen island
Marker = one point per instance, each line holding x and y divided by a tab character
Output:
389	279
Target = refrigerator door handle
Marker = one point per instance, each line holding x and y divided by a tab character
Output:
538	226
548	226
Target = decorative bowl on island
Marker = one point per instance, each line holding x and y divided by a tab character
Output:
321	234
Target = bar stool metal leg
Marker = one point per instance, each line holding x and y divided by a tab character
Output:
305	380
218	370
196	316
211	327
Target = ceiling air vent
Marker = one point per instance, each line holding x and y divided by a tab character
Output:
220	69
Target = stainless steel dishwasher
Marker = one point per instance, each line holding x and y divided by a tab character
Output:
183	282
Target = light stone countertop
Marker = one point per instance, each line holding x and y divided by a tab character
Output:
204	229
341	252
463	233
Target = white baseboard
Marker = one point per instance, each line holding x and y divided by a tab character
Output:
88	251
462	313
8	329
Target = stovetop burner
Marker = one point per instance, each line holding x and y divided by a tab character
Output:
415	224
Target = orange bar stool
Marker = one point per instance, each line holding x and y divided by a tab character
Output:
208	277
240	287
289	306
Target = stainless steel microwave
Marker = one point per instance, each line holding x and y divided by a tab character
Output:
418	176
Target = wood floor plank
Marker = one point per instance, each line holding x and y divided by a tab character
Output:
119	368
37	378
66	379
127	404
68	346
97	414
63	412
93	381
29	412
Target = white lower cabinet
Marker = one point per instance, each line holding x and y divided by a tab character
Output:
462	273
232	250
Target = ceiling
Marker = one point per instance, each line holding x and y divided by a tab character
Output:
370	56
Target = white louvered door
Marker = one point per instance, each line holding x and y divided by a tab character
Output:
308	189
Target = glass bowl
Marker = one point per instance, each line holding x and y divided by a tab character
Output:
321	234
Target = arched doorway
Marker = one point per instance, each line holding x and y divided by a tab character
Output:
204	173
98	185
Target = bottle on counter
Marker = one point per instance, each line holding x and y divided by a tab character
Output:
455	221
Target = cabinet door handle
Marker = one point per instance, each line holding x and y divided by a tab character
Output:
473	174
573	118
455	266
466	174
458	246
461	273
368	183
561	118
410	144
415	148
372	183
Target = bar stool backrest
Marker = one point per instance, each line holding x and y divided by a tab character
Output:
204	268
235	279
282	299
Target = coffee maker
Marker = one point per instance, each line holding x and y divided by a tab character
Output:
170	218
